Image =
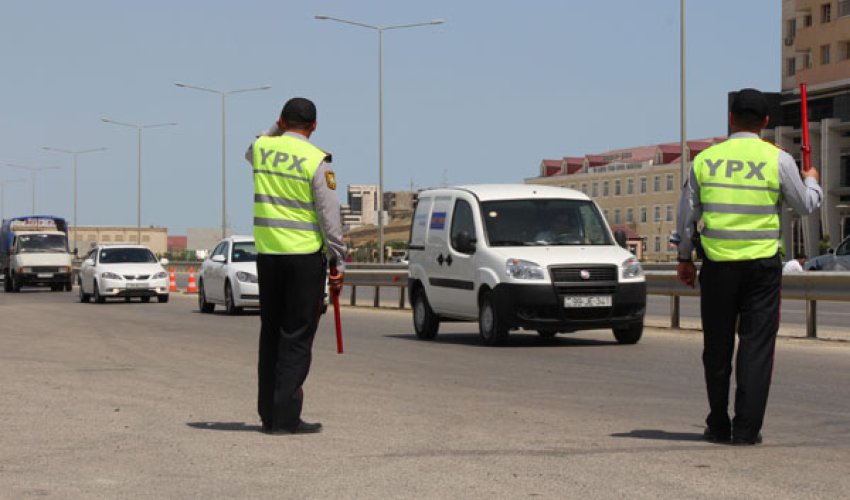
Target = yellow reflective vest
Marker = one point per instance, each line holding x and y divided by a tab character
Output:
740	195
285	219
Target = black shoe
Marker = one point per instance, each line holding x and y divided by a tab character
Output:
302	428
716	437
741	440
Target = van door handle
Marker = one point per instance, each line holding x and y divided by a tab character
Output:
440	259
449	259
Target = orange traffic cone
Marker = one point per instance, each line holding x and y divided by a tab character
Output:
172	284
192	288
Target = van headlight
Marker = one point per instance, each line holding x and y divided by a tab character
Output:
632	268
110	276
523	269
160	275
246	277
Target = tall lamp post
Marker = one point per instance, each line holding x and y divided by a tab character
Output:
684	157
74	155
223	94
3	195
380	30
138	128
34	172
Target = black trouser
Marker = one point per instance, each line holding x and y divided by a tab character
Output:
291	290
745	294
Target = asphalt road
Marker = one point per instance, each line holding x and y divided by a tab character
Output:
158	401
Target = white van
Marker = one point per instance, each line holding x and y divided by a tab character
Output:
521	256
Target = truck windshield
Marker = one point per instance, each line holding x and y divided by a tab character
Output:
126	256
34	243
544	222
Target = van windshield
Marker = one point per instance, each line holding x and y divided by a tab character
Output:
543	222
34	243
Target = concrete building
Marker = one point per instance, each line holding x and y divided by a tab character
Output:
399	204
816	51
155	238
637	189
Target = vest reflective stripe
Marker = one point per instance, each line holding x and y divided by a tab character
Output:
732	208
283	202
286	224
285	218
740	196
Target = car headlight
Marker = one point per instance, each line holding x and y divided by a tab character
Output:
246	277
523	269
160	275
110	276
632	268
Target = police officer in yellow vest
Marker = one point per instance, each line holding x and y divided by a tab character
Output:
296	223
737	188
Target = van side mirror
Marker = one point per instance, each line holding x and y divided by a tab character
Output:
218	258
464	243
621	238
88	262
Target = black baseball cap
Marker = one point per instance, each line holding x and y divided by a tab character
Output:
749	101
298	110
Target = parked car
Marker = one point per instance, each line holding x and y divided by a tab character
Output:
229	276
124	271
839	260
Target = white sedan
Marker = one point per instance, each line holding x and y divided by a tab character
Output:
229	276
122	271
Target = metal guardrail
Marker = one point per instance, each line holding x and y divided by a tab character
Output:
808	286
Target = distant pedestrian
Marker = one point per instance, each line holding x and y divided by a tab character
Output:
795	265
737	188
296	221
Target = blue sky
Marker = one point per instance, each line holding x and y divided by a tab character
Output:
481	98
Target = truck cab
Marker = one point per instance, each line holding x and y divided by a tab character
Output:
520	256
34	252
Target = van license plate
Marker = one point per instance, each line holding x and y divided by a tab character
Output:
588	301
45	275
143	284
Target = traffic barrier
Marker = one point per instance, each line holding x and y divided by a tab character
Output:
172	283
192	288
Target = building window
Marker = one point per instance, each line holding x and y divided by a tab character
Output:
643	185
657	211
132	237
584	188
807	20
669	213
617	188
656	184
617	216
630	186
790	30
824	54
826	13
807	60
630	215
844	50
146	238
605	188
594	189
643	214
669	182
572	186
790	66
605	213
106	237
843	8
658	244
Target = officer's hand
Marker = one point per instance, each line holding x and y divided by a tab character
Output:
812	172
687	273
335	281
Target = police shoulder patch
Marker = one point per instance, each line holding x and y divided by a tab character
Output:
330	180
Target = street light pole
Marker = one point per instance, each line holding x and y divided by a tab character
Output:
684	159
3	195
223	94
138	128
34	172
380	30
74	155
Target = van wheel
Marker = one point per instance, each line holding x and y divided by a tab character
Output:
84	297
547	333
15	283
492	329
7	283
98	298
203	305
229	304
629	334
425	322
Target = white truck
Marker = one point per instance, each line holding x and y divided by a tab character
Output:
34	252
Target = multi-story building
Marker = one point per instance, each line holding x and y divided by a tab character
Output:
637	188
399	204
816	51
155	238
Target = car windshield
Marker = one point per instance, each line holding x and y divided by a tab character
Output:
126	256
244	251
33	243
544	222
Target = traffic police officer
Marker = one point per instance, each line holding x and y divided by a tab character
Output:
296	220
737	188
